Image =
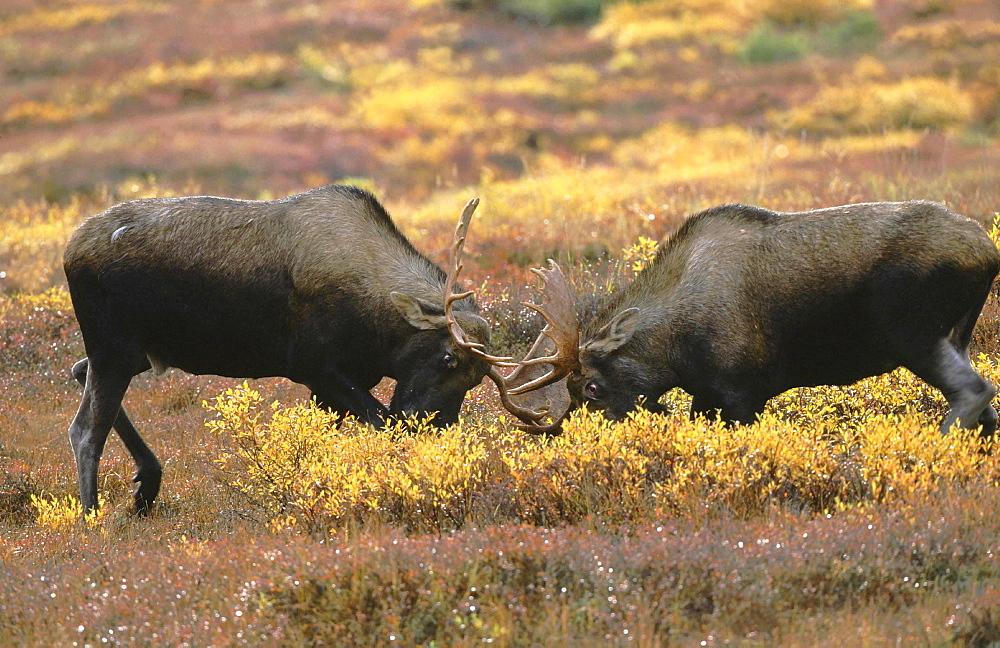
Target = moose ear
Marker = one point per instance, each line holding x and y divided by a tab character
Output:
617	332
419	313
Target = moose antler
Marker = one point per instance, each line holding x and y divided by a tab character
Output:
561	326
562	332
450	296
530	417
561	329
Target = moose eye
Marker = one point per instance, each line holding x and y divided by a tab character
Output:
450	361
593	391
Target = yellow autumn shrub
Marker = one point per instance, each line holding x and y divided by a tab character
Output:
293	465
307	469
58	514
810	12
681	153
817	450
436	474
408	103
864	105
636	24
592	469
902	457
722	23
32	238
948	34
75	103
640	254
63	18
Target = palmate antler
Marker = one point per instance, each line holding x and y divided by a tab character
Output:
562	330
561	326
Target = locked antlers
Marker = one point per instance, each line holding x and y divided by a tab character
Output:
561	327
558	346
528	416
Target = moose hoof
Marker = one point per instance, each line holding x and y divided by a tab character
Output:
149	488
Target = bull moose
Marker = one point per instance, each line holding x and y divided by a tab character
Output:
743	303
319	287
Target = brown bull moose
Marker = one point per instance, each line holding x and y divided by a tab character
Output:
743	303
320	288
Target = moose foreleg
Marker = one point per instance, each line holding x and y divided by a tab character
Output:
340	395
733	408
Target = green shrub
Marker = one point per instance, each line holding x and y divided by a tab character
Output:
765	44
545	12
556	11
857	33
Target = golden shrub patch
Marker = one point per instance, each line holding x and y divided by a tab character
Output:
816	449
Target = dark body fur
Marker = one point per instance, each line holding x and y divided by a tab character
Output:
312	287
743	303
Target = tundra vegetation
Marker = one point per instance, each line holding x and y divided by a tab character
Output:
588	130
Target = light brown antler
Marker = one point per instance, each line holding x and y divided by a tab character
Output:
561	327
450	296
557	346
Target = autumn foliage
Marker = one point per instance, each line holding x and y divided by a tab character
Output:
589	129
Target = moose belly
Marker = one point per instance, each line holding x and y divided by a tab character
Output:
835	359
238	356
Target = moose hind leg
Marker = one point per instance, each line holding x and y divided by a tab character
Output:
149	471
961	339
968	394
102	396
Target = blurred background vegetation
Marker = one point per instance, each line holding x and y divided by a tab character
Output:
273	96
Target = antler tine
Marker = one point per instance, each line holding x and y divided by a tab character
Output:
561	326
450	296
562	331
455	258
530	419
526	415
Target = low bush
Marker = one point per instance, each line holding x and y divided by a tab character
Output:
866	106
857	33
767	44
816	450
545	12
811	12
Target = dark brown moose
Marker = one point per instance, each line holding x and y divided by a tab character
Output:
320	288
743	303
